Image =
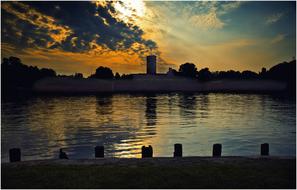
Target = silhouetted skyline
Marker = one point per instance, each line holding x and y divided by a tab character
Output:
17	76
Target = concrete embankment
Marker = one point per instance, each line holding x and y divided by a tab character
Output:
186	172
154	85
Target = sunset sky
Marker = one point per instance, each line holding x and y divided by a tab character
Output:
74	37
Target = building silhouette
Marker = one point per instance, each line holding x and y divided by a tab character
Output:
151	65
151	71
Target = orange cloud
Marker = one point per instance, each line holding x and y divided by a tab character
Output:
57	32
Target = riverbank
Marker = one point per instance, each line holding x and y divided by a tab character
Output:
187	172
154	84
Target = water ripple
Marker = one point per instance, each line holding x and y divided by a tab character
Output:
125	122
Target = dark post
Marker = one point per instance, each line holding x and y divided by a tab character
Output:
143	152
265	149
150	151
99	151
15	155
147	152
178	150
217	150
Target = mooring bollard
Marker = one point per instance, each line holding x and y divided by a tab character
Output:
265	149
143	152
217	150
99	151
15	155
178	150
150	151
147	152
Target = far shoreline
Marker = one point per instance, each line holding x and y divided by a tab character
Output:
97	86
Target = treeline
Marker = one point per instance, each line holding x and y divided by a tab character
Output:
101	73
16	75
284	71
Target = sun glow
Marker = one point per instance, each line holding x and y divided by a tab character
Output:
128	11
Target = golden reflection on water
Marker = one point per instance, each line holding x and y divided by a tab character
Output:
124	123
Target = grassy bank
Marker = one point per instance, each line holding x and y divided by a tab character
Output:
195	172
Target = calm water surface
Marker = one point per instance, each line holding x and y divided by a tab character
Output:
123	123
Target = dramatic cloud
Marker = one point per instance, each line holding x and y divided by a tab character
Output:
273	18
208	21
73	27
25	27
208	13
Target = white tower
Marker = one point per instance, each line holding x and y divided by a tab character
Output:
151	63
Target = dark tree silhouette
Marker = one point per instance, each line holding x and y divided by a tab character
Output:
117	76
103	73
263	71
172	72
188	70
227	74
249	75
204	74
284	72
78	75
127	76
15	75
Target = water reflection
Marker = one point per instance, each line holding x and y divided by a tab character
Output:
202	106
151	110
104	104
123	123
187	104
188	109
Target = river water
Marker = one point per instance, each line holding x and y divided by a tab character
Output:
124	122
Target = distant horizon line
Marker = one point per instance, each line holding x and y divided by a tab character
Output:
293	58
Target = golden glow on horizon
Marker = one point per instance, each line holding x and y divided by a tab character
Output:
86	63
